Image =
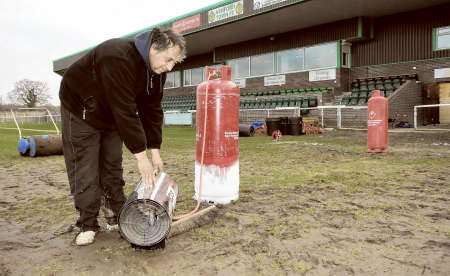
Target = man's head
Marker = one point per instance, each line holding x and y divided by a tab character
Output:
167	49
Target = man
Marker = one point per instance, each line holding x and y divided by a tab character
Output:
113	95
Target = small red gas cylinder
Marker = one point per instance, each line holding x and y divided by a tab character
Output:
217	137
377	123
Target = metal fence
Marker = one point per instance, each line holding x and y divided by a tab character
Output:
338	116
329	116
29	117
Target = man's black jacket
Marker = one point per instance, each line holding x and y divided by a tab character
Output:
112	87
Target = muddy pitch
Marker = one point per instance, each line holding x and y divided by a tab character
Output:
321	206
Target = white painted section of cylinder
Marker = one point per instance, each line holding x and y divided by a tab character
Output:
220	185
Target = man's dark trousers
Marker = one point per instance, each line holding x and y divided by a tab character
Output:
94	166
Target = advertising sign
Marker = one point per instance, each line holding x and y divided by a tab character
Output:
259	4
321	75
227	11
186	24
275	80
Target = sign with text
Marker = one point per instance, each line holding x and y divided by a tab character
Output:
442	73
227	11
186	24
259	4
275	80
322	75
240	82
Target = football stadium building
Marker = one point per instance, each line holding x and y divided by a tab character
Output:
304	54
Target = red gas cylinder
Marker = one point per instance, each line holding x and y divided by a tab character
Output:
217	138
377	123
222	122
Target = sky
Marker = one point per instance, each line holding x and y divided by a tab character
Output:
34	33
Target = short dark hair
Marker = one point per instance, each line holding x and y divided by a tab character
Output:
164	38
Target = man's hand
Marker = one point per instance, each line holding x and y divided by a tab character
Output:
145	169
156	160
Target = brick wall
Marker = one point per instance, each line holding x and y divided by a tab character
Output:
402	102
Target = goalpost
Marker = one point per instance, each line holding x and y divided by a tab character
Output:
440	106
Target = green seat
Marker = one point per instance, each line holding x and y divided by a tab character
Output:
362	101
363	88
371	85
388	85
345	100
388	93
396	83
353	101
363	94
279	103
273	104
312	102
305	103
301	90
379	84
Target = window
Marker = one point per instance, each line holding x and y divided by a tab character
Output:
321	56
239	68
443	38
197	75
193	76
261	65
290	60
173	80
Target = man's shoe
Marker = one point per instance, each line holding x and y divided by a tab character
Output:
85	238
112	227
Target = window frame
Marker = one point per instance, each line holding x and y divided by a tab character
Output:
174	75
264	75
248	66
294	71
336	43
338	56
190	76
436	38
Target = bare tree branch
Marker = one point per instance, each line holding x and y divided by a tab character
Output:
31	93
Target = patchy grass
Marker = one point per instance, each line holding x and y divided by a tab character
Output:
308	205
9	137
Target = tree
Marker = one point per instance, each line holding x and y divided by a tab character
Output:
30	93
